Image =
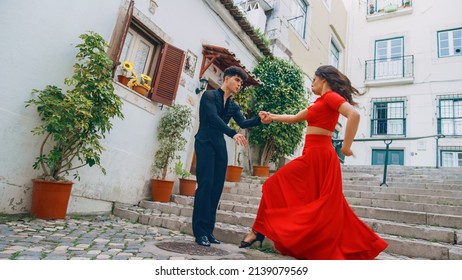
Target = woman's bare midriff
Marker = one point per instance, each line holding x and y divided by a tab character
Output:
318	130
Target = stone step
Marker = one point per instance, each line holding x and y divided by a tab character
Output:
415	187
430	189
408	217
403	169
253	192
233	234
405	205
403	190
242	214
427	233
425	199
419	213
416	248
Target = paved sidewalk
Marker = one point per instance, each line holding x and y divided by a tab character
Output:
106	237
110	238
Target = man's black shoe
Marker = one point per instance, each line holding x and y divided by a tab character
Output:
203	241
213	240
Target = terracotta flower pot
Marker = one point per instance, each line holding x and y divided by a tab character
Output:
233	173
50	199
187	187
123	80
161	190
261	171
141	90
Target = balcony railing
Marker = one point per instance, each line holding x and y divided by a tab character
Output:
400	67
380	7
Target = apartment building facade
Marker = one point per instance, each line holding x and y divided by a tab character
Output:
306	33
407	58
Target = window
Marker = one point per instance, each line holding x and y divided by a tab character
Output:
334	54
395	157
450	115
137	42
139	51
450	42
298	16
389	58
389	63
451	157
388	117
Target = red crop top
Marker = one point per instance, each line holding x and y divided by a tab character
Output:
324	112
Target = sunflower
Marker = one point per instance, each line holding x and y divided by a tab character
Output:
127	65
133	82
145	78
145	81
127	68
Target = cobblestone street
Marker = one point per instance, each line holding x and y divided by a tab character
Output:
104	238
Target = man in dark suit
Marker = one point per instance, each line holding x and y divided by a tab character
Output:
215	111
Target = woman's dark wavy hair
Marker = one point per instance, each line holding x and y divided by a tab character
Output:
338	82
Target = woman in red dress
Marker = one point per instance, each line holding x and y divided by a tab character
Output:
302	209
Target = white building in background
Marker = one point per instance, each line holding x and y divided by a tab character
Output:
308	33
407	57
176	42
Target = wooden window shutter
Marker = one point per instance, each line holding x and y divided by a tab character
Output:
168	75
119	35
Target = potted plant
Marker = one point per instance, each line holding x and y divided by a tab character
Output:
73	122
170	138
234	171
142	88
371	8
283	92
187	185
127	73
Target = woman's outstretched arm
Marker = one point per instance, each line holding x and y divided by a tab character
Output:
299	117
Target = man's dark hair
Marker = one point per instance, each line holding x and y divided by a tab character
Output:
235	71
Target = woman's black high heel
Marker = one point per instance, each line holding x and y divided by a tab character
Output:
259	237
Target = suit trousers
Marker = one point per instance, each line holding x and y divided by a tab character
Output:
211	163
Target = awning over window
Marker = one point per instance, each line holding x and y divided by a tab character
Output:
223	58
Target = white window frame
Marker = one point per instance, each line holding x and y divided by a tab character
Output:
389	64
451	158
299	21
132	45
451	116
454	44
335	52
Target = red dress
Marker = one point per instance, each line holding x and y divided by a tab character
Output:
303	210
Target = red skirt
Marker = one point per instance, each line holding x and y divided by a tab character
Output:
303	210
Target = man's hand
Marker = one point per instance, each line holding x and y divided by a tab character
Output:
240	139
265	117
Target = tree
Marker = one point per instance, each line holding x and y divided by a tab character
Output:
243	100
283	92
173	123
75	121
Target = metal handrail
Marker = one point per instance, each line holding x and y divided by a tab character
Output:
338	142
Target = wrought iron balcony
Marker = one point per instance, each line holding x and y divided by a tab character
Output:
399	69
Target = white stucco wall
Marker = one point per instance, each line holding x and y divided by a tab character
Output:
38	47
433	76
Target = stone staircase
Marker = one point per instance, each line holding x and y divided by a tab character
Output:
419	212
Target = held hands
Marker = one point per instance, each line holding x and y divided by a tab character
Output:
265	117
240	139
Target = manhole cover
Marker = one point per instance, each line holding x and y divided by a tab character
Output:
190	248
